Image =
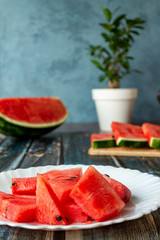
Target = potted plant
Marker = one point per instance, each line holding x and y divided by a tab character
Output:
113	60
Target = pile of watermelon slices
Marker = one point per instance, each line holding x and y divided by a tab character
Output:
128	135
61	197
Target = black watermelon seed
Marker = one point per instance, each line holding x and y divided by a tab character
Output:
71	178
107	175
67	219
59	218
14	183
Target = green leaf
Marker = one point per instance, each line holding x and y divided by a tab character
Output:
106	37
118	19
107	14
129	57
108	27
98	64
135	32
104	50
102	78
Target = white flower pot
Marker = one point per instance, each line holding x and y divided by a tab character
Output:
114	105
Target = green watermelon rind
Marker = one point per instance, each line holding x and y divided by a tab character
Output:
34	125
154	142
132	142
14	128
109	143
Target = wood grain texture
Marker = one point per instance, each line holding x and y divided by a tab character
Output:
124	151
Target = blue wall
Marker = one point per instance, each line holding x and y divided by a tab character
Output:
43	52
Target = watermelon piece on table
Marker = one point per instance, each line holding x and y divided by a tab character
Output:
102	140
75	213
152	133
96	197
49	209
31	116
129	135
19	209
28	185
121	189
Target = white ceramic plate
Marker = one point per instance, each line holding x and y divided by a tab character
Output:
145	194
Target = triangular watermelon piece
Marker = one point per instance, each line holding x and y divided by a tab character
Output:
96	197
49	209
121	189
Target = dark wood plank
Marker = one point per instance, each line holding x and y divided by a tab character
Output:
12	152
140	229
76	146
43	151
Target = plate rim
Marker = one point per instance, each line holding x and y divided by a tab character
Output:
154	207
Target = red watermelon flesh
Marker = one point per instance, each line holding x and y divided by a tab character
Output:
126	130
49	209
101	136
96	197
19	210
63	186
75	213
56	173
33	110
24	186
151	131
4	195
121	189
28	185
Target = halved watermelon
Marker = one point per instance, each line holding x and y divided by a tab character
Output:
129	135
49	209
102	140
121	189
19	209
31	116
96	197
28	185
152	133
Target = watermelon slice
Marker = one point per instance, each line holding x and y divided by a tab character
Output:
75	213
152	133
121	189
129	135
102	140
62	187
27	117
27	186
96	197
4	196
19	209
49	209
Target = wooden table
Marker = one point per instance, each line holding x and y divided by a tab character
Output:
67	146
